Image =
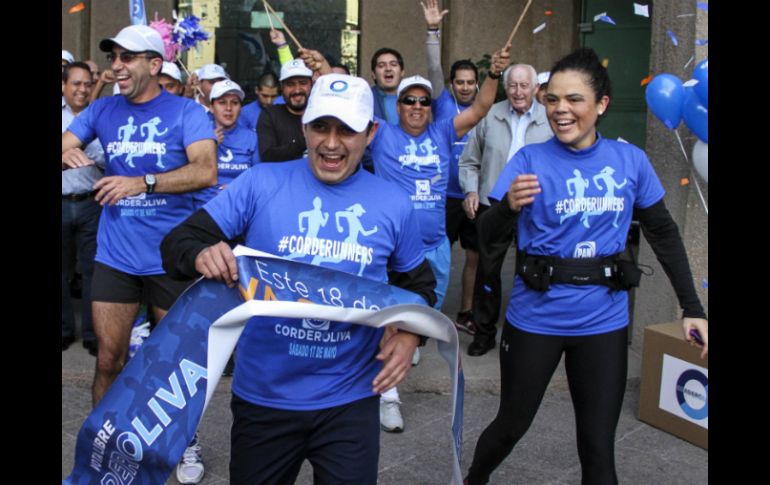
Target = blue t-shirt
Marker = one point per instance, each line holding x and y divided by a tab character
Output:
250	115
420	166
391	112
139	139
446	106
363	226
584	211
237	153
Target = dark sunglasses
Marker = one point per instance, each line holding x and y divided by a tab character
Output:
126	57
411	100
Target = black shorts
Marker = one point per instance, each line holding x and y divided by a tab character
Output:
114	286
459	226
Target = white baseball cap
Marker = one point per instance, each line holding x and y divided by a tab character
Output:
171	70
67	56
212	71
543	77
295	68
136	38
347	98
221	88
417	80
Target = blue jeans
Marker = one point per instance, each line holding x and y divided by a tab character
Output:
79	222
439	259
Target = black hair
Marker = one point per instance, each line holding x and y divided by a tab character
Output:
340	65
387	50
463	65
65	73
268	79
585	60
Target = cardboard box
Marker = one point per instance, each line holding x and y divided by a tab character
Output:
674	384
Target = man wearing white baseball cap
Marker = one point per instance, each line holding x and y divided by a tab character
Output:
208	75
158	148
416	156
330	415
170	78
279	127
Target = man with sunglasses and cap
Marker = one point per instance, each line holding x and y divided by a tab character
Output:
286	407
447	103
158	148
416	156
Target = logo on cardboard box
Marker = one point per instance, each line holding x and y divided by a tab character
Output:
684	390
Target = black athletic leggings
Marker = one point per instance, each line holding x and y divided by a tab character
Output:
596	373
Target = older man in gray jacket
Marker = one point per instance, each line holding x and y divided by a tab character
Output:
509	125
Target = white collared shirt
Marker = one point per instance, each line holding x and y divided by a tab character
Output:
519	124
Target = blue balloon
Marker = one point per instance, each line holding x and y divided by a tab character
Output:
665	97
701	73
696	116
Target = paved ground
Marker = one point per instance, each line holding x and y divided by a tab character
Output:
422	453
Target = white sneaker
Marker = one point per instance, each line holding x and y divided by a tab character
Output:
416	356
190	469
390	416
139	334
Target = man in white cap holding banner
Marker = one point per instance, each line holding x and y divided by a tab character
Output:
288	406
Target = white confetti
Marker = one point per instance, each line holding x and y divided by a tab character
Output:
539	28
641	10
621	140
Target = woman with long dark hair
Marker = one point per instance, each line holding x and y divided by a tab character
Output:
573	199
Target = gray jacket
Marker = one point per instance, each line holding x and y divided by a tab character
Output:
486	153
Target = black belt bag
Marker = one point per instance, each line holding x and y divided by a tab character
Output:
540	272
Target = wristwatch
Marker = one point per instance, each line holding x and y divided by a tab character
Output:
149	181
495	75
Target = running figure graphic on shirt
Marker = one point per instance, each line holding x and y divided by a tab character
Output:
316	219
152	132
124	133
576	187
610	185
352	214
428	148
411	159
411	156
